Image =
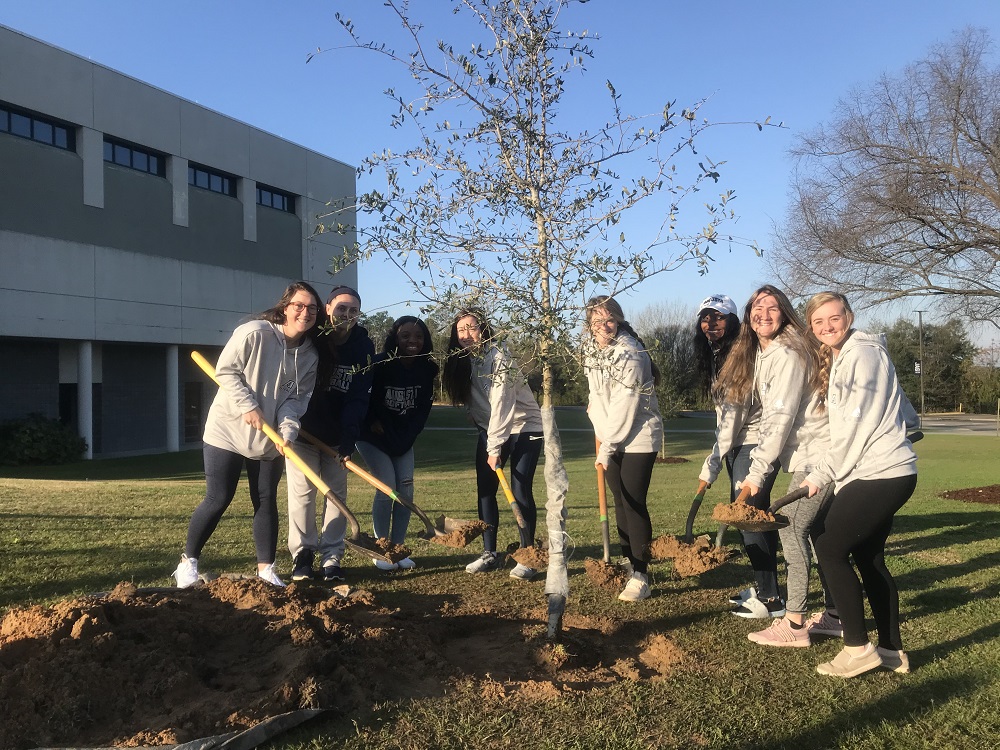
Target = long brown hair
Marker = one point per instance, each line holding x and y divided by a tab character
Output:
825	352
736	379
457	375
613	309
276	313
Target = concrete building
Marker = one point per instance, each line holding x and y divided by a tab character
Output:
136	226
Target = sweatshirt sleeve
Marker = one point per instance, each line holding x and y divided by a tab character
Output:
231	366
861	401
503	401
780	397
625	379
290	411
729	424
355	405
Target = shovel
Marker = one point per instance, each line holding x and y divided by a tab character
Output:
695	505
358	541
522	527
602	504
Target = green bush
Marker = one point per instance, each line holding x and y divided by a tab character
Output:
36	439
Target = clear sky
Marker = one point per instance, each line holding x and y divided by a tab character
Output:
787	60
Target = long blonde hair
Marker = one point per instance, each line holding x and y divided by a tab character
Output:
825	352
736	379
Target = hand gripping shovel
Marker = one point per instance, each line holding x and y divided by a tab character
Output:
602	504
454	534
358	541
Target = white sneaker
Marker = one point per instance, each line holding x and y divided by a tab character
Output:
407	563
755	609
636	589
741	596
270	575
485	562
383	565
523	572
187	572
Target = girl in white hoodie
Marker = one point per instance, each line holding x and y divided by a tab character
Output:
874	470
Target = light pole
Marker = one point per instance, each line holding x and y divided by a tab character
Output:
920	361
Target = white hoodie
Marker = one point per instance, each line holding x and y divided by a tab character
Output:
257	370
501	402
869	415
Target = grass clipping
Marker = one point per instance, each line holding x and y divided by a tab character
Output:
692	559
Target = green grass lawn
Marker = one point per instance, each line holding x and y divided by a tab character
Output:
83	527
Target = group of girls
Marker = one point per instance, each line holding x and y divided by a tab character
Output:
822	401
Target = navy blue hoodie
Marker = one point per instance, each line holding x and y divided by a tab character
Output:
401	400
340	400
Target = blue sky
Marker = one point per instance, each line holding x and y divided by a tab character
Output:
787	60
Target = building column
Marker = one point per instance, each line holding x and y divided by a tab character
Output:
177	175
246	192
173	401
91	149
85	395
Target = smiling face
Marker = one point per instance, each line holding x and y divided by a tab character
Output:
713	325
766	319
603	327
469	333
343	311
831	324
300	315
409	340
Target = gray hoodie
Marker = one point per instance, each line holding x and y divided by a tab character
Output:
623	406
257	371
501	402
735	425
869	415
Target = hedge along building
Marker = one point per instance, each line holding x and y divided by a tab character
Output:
136	226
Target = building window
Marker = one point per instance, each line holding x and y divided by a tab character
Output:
272	198
210	179
37	128
134	157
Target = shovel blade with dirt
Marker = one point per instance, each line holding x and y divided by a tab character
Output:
358	540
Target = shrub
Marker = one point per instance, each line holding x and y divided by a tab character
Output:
36	439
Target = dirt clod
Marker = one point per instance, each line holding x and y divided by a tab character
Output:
462	534
535	558
692	559
740	513
605	576
395	552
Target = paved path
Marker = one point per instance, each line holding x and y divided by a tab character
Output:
960	424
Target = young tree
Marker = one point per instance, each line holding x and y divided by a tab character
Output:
898	195
501	203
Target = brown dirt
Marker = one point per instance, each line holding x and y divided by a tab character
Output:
605	576
165	666
671	460
395	552
989	495
461	535
740	513
532	557
692	559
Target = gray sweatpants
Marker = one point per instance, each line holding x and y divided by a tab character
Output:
328	540
796	545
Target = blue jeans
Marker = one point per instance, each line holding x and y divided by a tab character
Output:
389	518
523	450
761	546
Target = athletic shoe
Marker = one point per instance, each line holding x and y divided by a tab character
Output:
755	609
741	596
636	589
331	572
407	563
186	572
822	623
484	563
523	572
896	661
303	569
781	633
383	565
270	575
844	665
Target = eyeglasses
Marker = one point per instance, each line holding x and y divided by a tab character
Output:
299	307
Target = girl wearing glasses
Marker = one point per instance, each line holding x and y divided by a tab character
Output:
480	374
266	372
626	418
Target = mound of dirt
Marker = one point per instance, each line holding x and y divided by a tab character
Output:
605	576
461	534
692	559
989	495
671	460
532	557
166	666
740	513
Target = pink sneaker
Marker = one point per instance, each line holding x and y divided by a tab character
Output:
781	633
822	624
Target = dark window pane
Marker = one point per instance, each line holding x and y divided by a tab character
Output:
201	178
259	201
140	161
42	132
215	183
109	151
155	165
60	137
20	125
190	175
4	121
123	155
279	202
265	197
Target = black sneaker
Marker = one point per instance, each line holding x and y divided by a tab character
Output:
303	570
332	573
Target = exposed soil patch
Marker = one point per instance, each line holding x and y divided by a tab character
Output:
459	534
535	558
605	576
740	513
395	552
671	460
165	666
692	559
989	495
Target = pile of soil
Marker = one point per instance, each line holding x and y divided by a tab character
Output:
395	552
989	495
166	666
740	513
605	576
458	534
671	460
692	559
535	557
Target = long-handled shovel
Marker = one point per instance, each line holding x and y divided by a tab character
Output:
467	531
695	505
358	540
518	517
602	504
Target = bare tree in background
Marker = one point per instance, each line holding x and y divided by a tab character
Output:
899	195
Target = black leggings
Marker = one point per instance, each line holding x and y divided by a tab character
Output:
523	450
222	475
856	524
628	476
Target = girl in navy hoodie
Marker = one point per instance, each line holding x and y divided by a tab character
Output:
401	396
335	413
